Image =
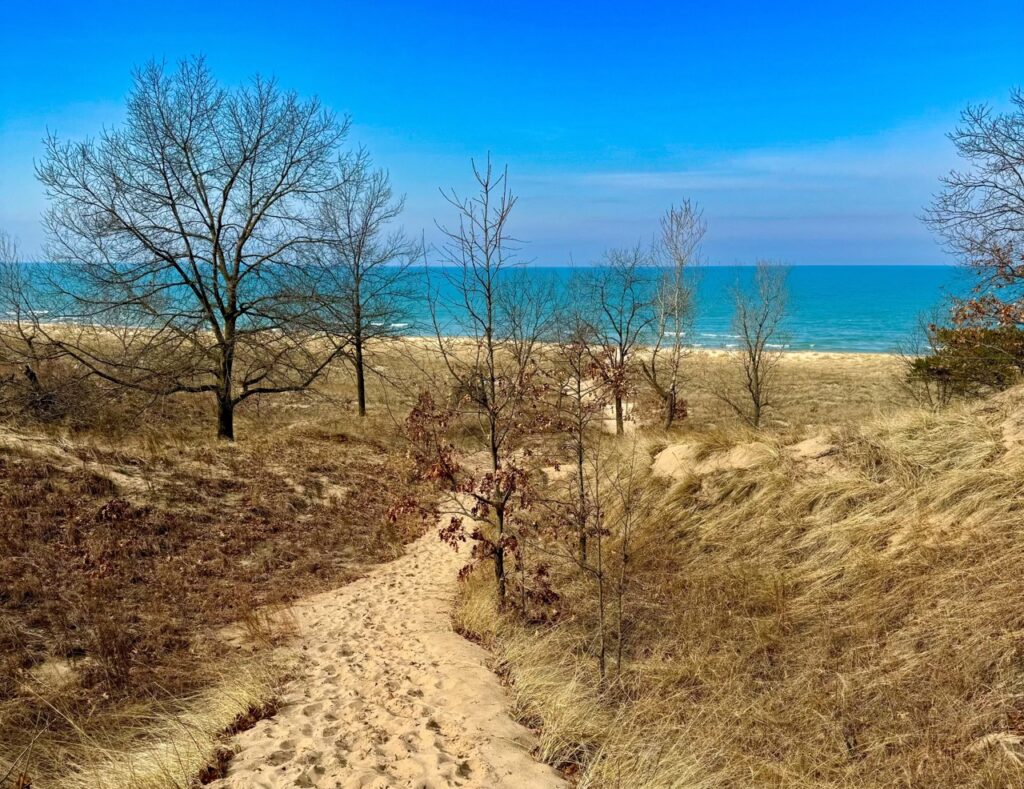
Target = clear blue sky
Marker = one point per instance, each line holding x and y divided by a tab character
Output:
811	132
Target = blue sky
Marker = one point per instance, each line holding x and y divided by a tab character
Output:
810	134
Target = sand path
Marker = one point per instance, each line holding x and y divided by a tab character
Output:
385	694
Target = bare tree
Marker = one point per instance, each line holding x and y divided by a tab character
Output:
676	251
626	483
487	329
8	249
759	312
34	383
620	299
185	241
596	569
369	261
15	340
980	212
579	401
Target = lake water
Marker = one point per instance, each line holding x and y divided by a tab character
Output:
830	308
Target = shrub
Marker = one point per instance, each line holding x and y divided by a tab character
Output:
968	361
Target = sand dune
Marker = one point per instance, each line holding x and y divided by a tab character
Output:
387	695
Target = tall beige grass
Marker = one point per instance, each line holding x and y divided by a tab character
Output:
848	621
152	744
175	746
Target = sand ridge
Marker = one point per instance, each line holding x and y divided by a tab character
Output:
386	694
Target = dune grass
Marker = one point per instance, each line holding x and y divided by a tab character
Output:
169	546
848	621
175	744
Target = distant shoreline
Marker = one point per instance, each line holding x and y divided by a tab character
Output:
690	350
431	338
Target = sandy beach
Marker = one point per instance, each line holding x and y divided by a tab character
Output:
386	694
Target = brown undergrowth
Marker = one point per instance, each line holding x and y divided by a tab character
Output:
140	575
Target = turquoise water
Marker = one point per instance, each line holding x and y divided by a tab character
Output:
847	308
830	308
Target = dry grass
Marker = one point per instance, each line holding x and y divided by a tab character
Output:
813	388
178	743
138	558
848	621
141	562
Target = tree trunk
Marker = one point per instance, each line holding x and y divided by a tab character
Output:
499	505
603	647
521	561
670	408
581	493
225	399
619	426
33	379
225	417
499	556
360	376
618	617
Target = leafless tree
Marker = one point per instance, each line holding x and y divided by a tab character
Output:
32	384
759	312
487	331
18	339
185	241
13	337
676	251
980	212
578	402
626	483
368	260
8	249
619	296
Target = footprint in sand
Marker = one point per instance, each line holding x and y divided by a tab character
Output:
389	695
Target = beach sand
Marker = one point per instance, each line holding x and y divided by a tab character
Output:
386	694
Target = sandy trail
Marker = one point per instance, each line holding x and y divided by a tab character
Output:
387	695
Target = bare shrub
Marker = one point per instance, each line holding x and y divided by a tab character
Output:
487	334
676	252
618	300
759	311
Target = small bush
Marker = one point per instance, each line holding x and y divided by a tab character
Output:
968	362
